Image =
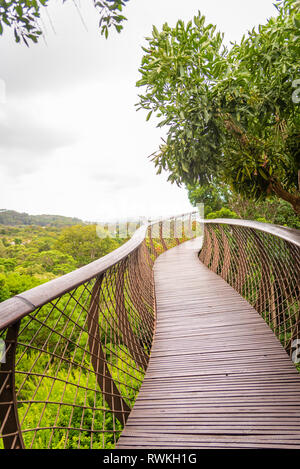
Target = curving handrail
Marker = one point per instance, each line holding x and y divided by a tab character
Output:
262	262
291	235
77	347
18	306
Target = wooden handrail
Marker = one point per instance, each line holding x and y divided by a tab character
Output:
289	234
20	305
17	307
261	262
96	325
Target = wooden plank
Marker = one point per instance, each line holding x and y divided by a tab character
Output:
217	377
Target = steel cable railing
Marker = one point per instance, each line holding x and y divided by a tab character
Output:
261	262
77	347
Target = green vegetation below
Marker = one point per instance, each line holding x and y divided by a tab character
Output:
33	254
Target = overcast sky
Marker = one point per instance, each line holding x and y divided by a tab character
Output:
71	141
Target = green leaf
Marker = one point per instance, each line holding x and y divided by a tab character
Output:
17	37
262	173
185	167
155	31
297	22
149	115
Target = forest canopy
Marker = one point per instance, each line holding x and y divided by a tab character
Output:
33	254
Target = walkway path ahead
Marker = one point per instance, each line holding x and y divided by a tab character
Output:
217	377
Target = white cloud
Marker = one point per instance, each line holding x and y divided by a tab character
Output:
71	142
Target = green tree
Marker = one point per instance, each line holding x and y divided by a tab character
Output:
13	284
8	264
2	249
229	112
23	16
43	254
83	244
4	290
53	261
223	213
216	198
213	196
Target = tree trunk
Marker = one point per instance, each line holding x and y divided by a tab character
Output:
293	199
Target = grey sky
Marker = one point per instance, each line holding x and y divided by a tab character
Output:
71	142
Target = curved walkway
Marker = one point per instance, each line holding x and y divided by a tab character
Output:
218	377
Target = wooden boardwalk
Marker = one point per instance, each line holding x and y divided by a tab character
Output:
218	377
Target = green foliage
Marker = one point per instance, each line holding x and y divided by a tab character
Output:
262	220
83	244
12	284
32	254
13	218
223	213
281	213
58	358
23	17
229	113
67	388
2	248
110	15
212	195
4	290
216	196
46	396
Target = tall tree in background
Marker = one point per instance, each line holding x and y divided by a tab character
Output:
232	114
23	16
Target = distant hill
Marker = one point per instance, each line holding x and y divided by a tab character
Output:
13	218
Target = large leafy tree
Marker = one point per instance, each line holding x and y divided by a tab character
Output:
231	114
23	16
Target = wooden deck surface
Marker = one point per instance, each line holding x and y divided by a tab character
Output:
217	377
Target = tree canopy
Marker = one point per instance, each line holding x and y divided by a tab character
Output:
231	113
23	16
84	245
33	254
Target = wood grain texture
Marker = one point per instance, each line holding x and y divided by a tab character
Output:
217	377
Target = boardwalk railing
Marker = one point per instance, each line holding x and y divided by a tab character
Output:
261	262
74	350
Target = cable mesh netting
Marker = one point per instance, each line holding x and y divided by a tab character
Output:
263	268
73	366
